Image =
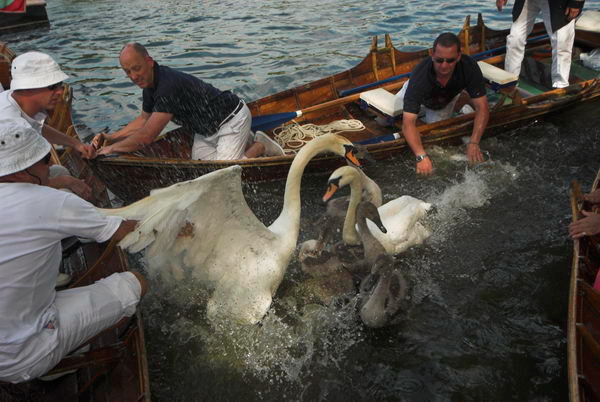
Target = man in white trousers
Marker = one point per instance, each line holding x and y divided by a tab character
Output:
559	20
39	325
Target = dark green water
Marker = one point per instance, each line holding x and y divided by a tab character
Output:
486	313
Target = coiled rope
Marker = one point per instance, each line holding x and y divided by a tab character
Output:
293	136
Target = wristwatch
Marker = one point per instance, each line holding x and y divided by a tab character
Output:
421	157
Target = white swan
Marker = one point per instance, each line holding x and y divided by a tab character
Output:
362	187
370	192
400	216
205	228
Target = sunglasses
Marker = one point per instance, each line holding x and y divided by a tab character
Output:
54	87
440	60
46	159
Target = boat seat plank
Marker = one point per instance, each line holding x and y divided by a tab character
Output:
384	101
497	77
589	21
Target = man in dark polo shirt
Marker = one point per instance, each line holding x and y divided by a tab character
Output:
219	120
436	83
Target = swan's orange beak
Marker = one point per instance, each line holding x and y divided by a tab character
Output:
331	189
351	155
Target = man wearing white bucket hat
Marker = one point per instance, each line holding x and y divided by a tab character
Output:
36	87
39	325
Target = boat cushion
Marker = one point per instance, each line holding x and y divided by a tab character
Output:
384	101
589	21
497	77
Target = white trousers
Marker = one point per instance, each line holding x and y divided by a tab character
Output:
83	313
230	142
432	115
561	40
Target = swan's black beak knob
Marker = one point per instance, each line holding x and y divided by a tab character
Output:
350	155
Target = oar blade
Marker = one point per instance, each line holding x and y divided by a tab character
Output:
269	121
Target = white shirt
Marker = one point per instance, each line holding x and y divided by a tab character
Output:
9	108
34	219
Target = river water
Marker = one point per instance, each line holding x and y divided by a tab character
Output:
486	310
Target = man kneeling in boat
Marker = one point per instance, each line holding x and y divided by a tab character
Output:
219	120
437	83
40	326
35	88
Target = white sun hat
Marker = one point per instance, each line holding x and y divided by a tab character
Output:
20	146
35	70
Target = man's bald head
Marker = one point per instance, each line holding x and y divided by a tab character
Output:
135	47
137	64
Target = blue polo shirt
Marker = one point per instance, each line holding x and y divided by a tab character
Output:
424	88
194	104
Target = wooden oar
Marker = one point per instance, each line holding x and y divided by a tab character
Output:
269	121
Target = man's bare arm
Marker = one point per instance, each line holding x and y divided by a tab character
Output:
140	137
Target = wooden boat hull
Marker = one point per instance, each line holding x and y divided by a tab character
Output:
583	327
34	17
166	161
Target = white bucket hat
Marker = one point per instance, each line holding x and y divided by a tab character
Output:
35	70
20	146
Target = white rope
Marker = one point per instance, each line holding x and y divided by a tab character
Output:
293	136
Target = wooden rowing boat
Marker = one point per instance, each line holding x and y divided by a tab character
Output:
583	328
166	161
115	368
35	16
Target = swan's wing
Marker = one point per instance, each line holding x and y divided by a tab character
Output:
204	229
205	209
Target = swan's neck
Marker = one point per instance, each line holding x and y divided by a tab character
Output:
372	247
288	221
371	190
349	233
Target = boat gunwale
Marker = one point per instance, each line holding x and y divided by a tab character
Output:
575	281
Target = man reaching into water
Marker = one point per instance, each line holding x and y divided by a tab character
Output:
219	120
437	83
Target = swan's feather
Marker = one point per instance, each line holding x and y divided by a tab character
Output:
401	218
181	229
